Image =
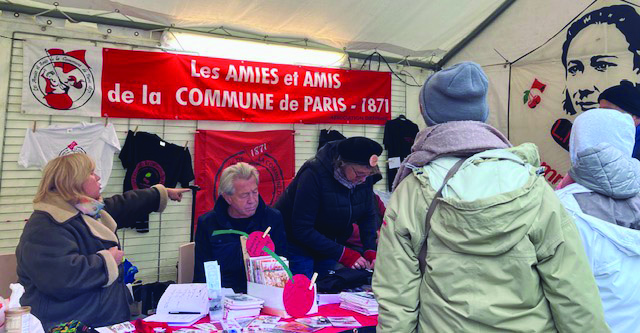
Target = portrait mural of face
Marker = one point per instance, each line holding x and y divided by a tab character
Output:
598	49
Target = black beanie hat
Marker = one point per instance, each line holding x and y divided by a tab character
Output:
625	95
359	150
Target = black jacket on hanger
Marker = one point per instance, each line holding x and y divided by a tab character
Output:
399	135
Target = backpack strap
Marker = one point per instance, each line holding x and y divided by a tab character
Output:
422	257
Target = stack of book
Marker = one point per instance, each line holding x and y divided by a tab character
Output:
363	302
266	270
240	305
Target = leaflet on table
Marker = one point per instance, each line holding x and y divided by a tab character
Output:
344	322
191	330
207	327
264	322
212	276
182	304
214	288
230	324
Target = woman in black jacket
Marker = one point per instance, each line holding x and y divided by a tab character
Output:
332	191
69	257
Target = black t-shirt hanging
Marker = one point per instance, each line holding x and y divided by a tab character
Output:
150	160
399	135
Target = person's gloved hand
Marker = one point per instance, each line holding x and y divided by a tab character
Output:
352	259
370	255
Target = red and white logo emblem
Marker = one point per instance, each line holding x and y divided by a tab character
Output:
62	81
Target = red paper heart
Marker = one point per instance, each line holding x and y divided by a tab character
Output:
256	243
297	297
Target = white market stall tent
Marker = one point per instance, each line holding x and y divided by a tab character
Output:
409	38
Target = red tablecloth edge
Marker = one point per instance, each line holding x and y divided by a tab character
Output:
328	310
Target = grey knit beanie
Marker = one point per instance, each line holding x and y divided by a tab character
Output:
455	93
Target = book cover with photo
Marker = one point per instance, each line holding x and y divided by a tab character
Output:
273	274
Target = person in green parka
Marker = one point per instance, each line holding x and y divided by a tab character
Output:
502	254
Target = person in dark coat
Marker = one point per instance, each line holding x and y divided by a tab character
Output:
332	191
241	208
69	257
624	97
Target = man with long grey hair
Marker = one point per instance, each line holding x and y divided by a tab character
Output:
239	207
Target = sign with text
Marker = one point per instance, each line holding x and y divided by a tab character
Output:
171	86
159	85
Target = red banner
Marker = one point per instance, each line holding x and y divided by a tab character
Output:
140	84
271	152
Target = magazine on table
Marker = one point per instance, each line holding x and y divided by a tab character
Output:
367	311
344	322
364	298
230	313
240	301
315	322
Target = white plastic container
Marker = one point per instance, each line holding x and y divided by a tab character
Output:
18	319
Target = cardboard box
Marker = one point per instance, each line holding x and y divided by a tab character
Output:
272	296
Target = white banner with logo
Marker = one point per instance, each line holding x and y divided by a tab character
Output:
61	79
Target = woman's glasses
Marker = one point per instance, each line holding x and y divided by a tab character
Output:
360	174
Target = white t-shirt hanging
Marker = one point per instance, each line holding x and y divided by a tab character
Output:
96	140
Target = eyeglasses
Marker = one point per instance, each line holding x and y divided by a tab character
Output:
360	174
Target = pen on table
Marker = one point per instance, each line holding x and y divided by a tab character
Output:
184	312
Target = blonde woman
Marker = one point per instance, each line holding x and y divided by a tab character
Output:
69	255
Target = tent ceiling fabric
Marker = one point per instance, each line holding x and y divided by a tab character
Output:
421	30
